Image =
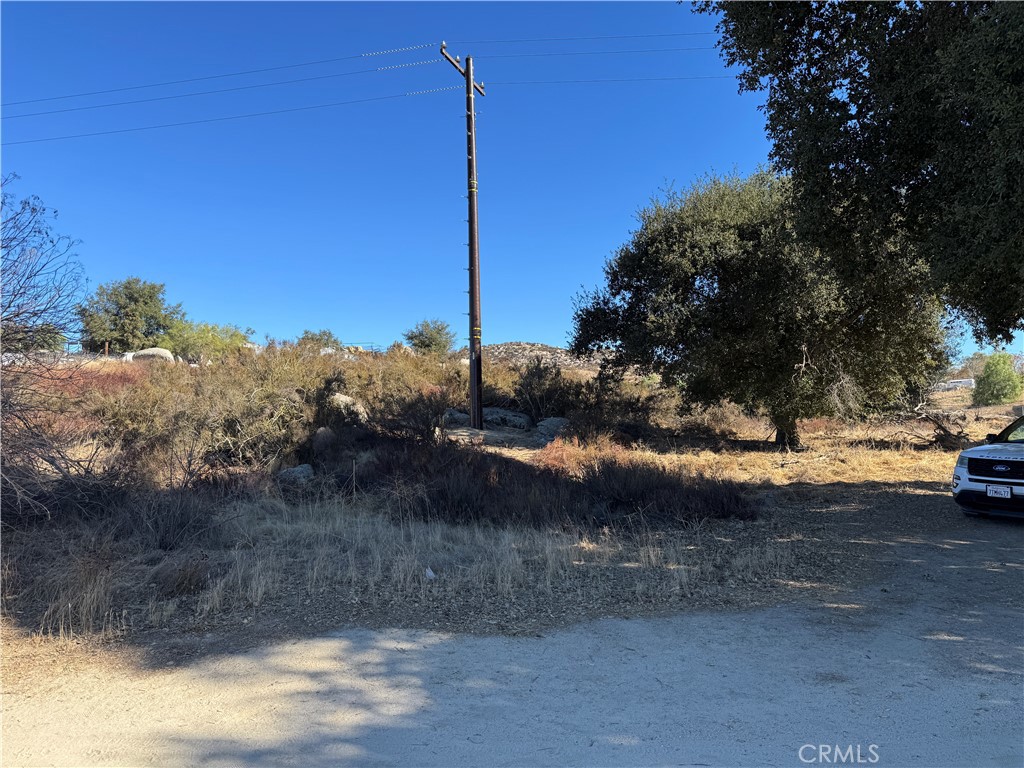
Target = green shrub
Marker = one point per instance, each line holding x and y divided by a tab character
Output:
999	382
431	337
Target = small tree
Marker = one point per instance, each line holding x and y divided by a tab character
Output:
42	282
431	337
42	285
196	342
999	383
318	340
129	315
971	367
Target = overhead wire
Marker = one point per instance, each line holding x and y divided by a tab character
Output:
360	101
236	117
223	90
226	74
608	80
351	57
598	37
343	74
590	53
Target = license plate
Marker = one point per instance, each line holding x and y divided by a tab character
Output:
998	491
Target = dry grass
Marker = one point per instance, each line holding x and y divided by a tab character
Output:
326	557
441	537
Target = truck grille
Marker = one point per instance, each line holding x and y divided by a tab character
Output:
984	468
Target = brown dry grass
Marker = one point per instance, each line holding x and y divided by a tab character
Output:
365	554
326	557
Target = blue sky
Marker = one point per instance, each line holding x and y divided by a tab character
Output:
352	217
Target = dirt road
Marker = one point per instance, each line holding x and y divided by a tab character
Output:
924	669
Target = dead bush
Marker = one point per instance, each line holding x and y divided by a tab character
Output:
543	390
179	427
635	407
460	485
499	384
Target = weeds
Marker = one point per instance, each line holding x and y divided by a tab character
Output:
152	533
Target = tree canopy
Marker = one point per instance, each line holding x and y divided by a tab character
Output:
318	340
130	314
716	293
197	342
431	337
899	120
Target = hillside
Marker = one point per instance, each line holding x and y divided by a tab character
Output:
522	352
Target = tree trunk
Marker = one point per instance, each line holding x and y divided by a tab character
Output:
787	438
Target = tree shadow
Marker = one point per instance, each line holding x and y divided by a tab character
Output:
937	615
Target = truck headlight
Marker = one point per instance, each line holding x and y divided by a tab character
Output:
961	460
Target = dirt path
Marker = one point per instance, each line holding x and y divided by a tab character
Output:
927	666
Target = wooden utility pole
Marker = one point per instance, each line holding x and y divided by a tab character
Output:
476	411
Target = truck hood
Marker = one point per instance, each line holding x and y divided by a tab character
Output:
1005	451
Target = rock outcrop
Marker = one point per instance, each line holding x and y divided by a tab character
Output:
502	417
552	427
349	410
300	475
151	354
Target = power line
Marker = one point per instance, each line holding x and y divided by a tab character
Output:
592	53
378	98
611	80
233	117
601	37
222	90
226	74
369	54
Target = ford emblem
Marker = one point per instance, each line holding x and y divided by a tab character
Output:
1001	468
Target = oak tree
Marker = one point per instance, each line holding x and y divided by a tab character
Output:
717	294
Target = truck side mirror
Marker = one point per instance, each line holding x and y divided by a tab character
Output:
991	437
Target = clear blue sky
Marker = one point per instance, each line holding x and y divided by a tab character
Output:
352	217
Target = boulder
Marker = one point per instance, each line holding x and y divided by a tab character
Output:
552	427
502	417
153	353
454	418
323	440
350	410
299	475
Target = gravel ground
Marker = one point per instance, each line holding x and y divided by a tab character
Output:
923	667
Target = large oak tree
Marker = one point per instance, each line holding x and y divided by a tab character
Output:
899	120
716	293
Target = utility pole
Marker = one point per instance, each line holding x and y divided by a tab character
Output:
476	411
